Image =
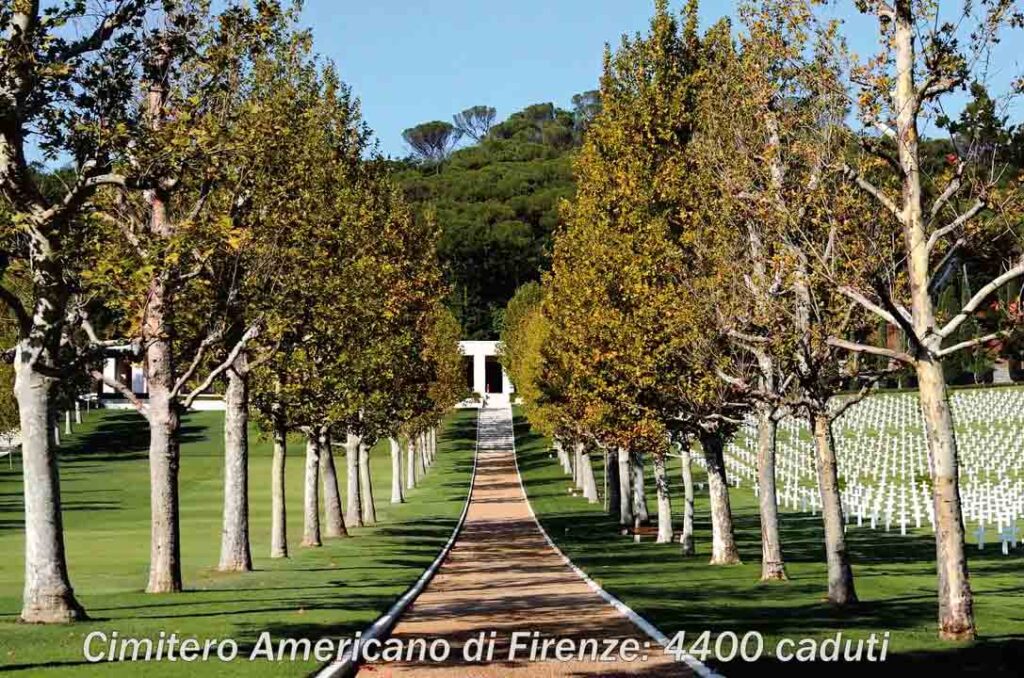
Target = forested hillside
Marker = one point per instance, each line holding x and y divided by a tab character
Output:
496	201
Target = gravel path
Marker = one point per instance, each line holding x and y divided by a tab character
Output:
501	576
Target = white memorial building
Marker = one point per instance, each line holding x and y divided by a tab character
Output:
484	374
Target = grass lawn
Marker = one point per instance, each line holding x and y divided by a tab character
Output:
332	591
895	580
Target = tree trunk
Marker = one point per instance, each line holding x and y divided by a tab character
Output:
396	471
157	330
625	488
589	480
278	511
613	491
686	540
956	601
55	428
772	564
604	479
410	462
365	484
48	596
329	478
235	552
164	458
640	510
563	457
353	504
421	446
723	537
664	501
311	495
577	453
840	576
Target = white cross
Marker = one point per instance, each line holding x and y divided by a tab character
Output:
980	534
1008	536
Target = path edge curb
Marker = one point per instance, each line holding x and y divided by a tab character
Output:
647	627
382	626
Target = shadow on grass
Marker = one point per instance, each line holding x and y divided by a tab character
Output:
897	573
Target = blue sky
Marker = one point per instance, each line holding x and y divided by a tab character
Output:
410	61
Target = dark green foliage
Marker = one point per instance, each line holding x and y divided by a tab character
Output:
497	204
431	142
475	122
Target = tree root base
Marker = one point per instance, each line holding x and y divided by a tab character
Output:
958	635
61	610
774	575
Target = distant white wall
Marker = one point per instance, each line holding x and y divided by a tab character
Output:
479	351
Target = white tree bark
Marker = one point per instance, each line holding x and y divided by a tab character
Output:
723	537
311	494
772	564
421	462
956	600
235	552
278	510
164	460
640	510
410	459
353	503
626	517
563	457
397	496
578	464
611	482
48	596
686	540
589	480
664	501
366	484
329	477
840	575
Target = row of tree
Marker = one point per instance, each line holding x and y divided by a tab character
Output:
735	242
222	220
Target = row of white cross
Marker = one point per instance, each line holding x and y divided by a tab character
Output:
885	467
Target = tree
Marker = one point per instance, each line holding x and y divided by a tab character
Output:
923	59
171	275
771	124
73	93
432	142
475	122
585	107
626	359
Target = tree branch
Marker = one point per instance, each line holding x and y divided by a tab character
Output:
872	350
874	191
95	40
220	369
197	359
951	188
856	296
123	389
970	343
976	301
939	233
